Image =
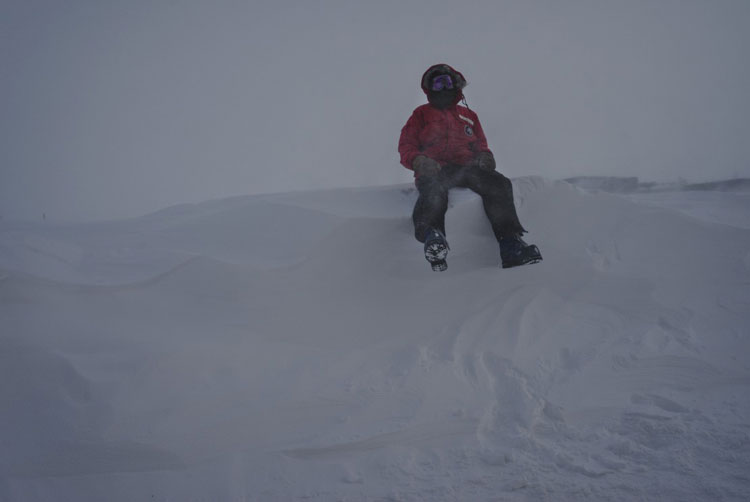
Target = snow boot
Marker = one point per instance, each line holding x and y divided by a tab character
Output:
514	252
436	249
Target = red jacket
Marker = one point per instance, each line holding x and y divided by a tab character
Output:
450	136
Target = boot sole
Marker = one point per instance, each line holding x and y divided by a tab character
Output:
521	263
436	253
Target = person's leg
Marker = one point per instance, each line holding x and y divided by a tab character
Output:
429	211
429	215
497	197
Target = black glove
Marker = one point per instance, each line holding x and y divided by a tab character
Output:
485	160
425	166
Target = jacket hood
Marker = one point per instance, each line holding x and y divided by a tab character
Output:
440	69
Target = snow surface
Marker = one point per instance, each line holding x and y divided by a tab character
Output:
298	347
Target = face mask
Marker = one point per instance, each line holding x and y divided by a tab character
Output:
442	99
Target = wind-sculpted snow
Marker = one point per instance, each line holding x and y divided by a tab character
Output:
298	347
607	183
631	184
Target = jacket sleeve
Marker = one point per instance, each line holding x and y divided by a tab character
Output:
408	144
481	144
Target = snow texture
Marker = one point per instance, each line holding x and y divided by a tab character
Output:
298	347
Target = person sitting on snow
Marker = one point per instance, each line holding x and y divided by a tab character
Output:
445	146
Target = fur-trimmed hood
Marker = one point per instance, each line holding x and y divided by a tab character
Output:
440	69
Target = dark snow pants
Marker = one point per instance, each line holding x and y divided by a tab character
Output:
495	189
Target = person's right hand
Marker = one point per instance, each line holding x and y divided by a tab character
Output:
425	166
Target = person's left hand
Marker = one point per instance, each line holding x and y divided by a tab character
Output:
485	160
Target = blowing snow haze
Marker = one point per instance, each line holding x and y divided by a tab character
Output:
114	109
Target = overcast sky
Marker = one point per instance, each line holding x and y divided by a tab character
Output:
118	108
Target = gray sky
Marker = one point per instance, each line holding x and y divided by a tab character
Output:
118	108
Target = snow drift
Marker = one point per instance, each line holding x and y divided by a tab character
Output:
297	346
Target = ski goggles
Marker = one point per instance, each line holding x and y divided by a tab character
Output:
442	82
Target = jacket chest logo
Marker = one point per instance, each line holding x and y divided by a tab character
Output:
467	127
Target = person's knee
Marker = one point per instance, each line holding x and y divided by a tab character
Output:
500	181
428	183
491	181
433	192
